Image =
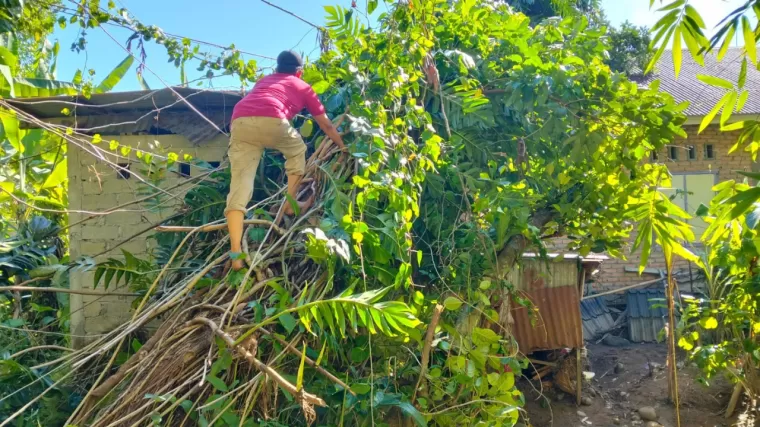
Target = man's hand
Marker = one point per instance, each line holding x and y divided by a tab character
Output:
327	127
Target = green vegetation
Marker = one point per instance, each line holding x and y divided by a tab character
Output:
480	134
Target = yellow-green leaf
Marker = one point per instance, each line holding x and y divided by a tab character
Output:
677	51
728	109
714	112
715	81
749	40
452	303
727	41
307	128
685	344
742	100
709	322
299	378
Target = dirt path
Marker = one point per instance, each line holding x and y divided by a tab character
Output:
617	397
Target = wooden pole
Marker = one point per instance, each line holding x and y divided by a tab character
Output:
578	377
672	369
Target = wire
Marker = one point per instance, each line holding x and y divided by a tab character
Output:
291	14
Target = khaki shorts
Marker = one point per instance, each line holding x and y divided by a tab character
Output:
249	137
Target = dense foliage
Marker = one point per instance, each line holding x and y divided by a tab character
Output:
479	135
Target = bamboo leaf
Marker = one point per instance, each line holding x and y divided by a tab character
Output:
727	41
711	115
677	53
299	378
728	108
715	81
749	40
742	100
743	201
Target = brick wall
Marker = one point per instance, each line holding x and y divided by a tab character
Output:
94	187
613	273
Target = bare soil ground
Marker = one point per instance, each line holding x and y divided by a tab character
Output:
617	397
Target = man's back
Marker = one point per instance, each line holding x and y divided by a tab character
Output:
280	96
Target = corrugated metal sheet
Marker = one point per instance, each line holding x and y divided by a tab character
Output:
188	124
596	318
537	274
166	109
647	314
557	323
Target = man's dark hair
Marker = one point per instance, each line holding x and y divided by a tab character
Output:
288	62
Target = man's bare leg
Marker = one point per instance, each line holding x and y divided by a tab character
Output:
293	182
235	227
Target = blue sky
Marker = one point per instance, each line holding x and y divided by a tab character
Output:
258	28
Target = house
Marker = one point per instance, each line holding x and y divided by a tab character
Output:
158	121
698	162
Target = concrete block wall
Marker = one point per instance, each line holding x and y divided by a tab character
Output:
95	186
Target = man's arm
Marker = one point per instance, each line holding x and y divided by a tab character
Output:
327	127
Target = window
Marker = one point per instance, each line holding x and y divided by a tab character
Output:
654	157
184	170
123	171
672	153
709	151
692	152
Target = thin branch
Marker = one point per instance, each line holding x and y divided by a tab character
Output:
289	347
215	227
261	366
65	291
40	347
426	349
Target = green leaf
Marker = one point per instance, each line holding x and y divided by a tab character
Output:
708	322
306	128
57	177
452	303
728	109
749	40
677	52
742	100
753	175
693	14
371	6
409	409
8	76
685	344
115	76
10	129
321	87
143	83
715	81
217	383
707	120
742	74
299	378
288	322
743	201
40	88
671	6
727	42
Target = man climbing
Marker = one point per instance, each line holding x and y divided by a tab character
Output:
262	120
